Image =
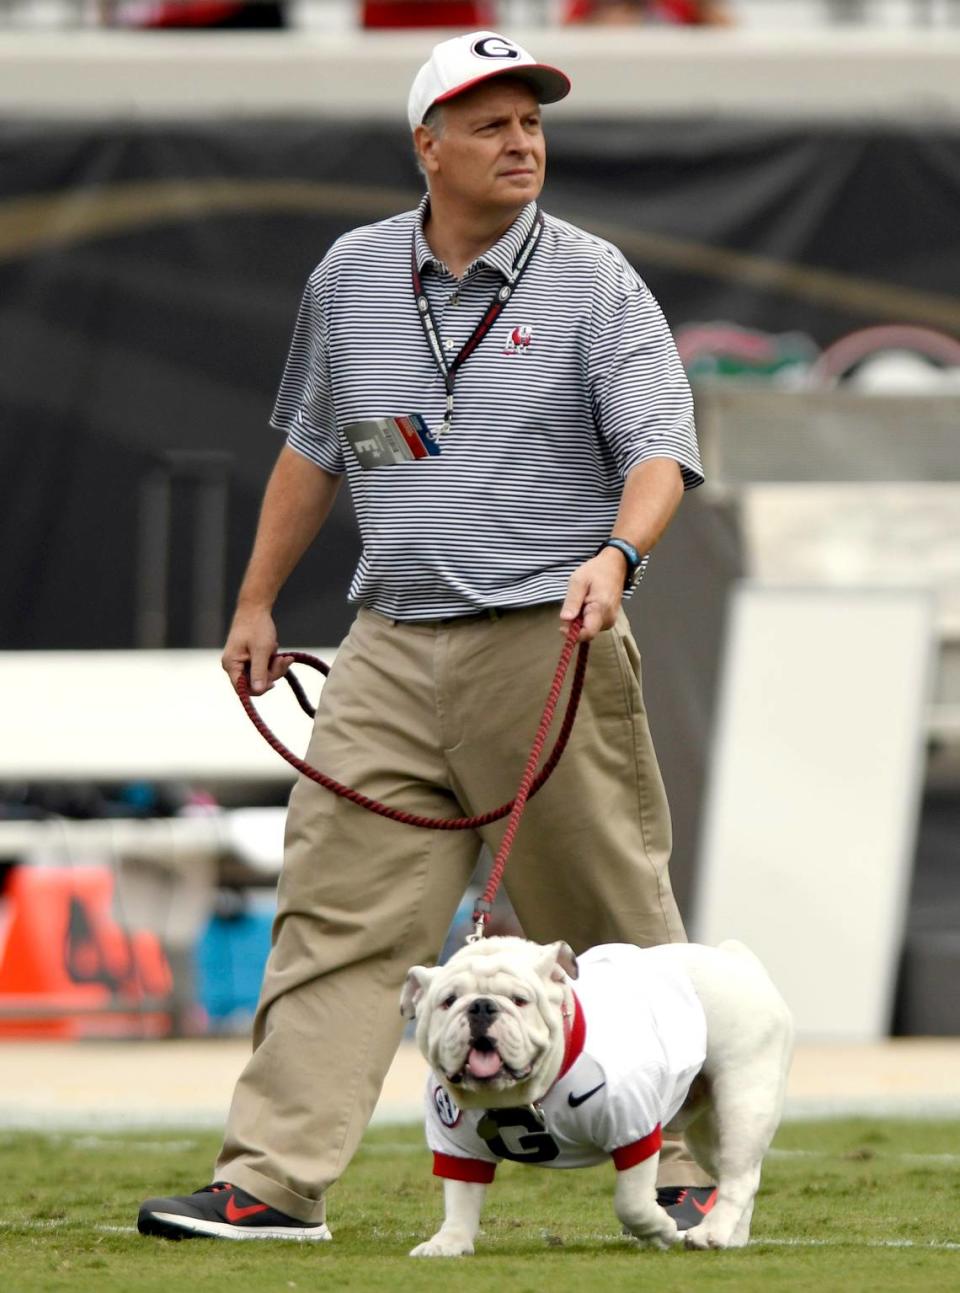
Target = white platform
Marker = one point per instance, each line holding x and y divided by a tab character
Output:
154	715
814	794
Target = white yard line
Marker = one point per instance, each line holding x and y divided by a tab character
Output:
943	1160
924	1245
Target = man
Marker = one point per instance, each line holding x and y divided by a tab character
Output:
509	407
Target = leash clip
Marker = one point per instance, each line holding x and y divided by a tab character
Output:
481	914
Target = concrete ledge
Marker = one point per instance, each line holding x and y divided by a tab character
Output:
890	74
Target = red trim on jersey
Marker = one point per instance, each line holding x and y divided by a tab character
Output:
574	1037
639	1151
452	1168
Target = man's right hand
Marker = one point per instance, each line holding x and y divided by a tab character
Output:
252	641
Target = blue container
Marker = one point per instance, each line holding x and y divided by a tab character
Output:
230	958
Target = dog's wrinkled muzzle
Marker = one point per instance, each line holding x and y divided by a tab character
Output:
483	1059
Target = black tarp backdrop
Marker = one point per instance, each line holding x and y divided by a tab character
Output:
150	274
149	277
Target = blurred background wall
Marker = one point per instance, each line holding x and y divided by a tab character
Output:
785	177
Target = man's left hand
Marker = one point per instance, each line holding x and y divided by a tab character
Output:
595	592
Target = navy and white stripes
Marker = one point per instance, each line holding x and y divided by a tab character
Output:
578	382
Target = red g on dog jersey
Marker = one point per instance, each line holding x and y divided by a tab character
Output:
638	1040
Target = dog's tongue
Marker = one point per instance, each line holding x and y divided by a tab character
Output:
484	1064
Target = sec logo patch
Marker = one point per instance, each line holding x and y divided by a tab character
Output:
448	1112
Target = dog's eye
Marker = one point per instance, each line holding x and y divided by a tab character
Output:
447	1002
520	1001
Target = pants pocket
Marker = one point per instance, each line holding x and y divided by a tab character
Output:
631	671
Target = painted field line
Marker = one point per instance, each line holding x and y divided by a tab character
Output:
53	1223
157	1146
923	1245
947	1160
59	1223
780	1241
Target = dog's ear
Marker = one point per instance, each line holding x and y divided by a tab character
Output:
557	959
416	985
567	961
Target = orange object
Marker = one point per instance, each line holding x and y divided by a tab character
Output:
68	969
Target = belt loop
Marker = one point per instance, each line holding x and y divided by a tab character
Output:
493	613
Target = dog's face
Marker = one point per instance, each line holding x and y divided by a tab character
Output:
490	1023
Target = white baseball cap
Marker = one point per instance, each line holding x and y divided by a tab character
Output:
459	64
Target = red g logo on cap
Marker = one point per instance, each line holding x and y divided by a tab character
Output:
494	47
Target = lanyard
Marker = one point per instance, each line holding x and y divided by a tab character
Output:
449	370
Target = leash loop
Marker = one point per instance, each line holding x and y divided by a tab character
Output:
531	782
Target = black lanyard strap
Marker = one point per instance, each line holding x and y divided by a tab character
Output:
449	369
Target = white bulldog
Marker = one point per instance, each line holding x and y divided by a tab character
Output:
680	1037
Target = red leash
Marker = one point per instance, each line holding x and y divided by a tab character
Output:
530	782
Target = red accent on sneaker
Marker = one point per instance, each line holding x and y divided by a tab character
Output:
704	1208
235	1214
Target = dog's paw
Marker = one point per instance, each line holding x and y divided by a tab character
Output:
660	1234
442	1245
705	1236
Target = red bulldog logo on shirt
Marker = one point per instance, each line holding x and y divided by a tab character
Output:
518	341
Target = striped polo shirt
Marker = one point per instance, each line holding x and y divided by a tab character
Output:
577	382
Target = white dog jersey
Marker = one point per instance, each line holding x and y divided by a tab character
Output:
638	1041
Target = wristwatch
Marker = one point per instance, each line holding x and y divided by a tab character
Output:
632	556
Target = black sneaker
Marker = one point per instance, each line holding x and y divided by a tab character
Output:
221	1211
688	1205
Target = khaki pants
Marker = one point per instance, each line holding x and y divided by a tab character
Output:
435	719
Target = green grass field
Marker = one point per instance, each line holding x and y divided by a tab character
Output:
845	1206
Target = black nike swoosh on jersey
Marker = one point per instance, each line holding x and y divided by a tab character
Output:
574	1101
